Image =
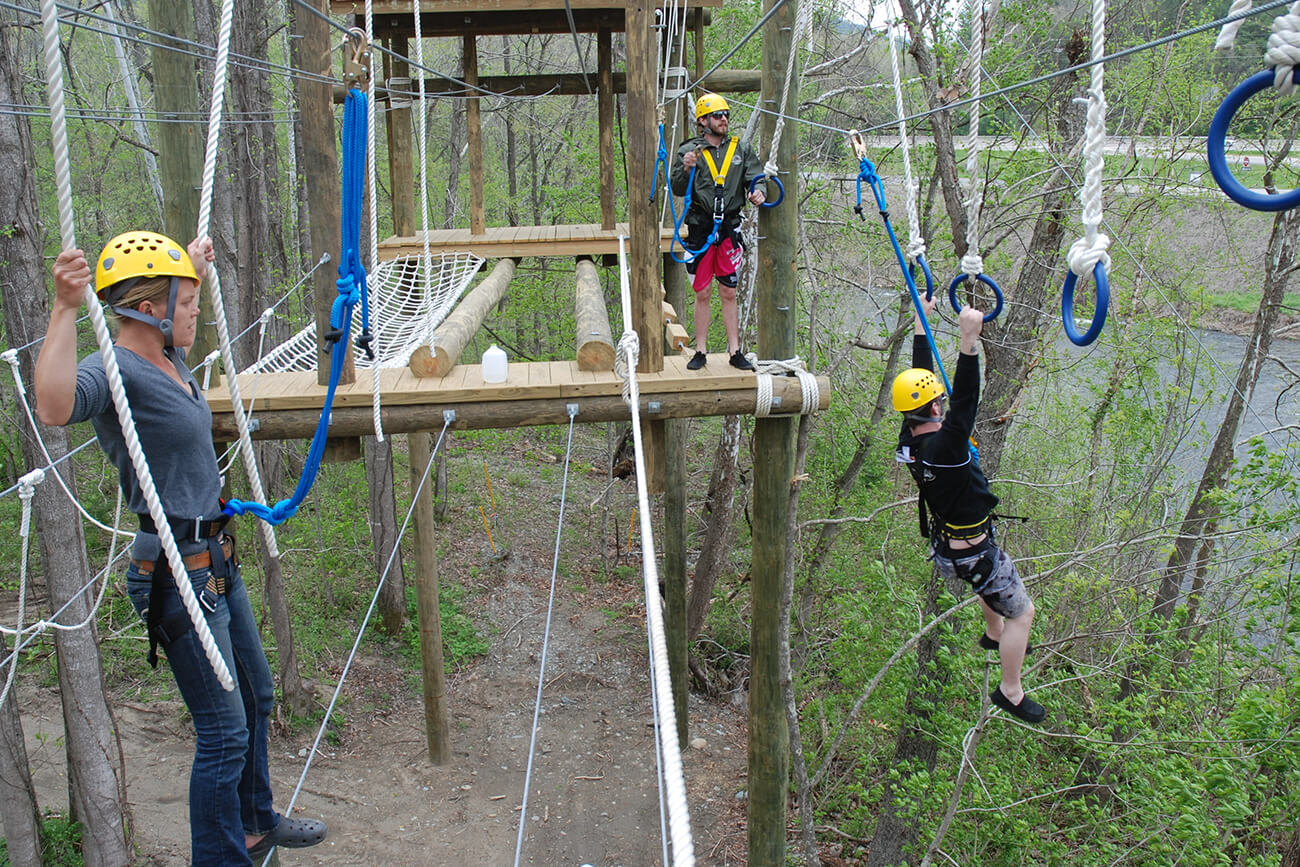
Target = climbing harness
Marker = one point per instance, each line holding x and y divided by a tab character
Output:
972	264
1088	254
68	237
719	201
351	283
1282	74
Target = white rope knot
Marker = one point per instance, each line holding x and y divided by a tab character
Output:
810	393
915	248
1083	257
625	360
11	356
1283	52
972	265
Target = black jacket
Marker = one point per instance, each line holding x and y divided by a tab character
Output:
735	190
951	481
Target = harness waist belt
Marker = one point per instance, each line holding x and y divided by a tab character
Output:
193	529
201	560
965	531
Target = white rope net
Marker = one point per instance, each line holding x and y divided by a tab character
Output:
410	296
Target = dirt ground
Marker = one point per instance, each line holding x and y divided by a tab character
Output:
593	797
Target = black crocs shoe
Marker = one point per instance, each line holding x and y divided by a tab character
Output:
740	362
698	360
289	834
1028	710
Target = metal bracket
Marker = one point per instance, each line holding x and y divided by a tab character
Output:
356	63
448	416
571	409
652	406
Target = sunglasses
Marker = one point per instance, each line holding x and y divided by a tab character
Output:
720	115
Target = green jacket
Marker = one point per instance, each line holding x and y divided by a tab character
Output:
742	171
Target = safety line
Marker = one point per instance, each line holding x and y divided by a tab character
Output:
447	419
546	641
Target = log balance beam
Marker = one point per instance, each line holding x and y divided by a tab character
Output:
288	405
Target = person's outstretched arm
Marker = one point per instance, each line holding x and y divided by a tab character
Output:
56	366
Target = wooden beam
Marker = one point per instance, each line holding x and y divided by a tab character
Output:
454	334
516	242
358	420
605	117
398	127
403	8
595	337
566	84
474	132
436	730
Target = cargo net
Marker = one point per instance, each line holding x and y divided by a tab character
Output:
407	303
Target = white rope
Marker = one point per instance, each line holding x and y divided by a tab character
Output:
1283	52
67	231
1228	35
915	241
679	819
810	391
376	400
972	264
26	491
763	399
546	642
801	20
1085	253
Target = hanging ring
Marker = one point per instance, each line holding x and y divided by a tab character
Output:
1217	139
780	188
929	277
987	281
1098	316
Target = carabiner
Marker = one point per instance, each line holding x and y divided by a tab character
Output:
356	63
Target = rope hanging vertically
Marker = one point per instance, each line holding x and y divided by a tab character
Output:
371	341
351	283
67	233
1088	254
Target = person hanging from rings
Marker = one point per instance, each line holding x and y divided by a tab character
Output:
151	286
725	169
935	446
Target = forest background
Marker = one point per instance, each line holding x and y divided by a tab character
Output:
1160	541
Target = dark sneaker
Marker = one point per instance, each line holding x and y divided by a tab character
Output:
740	362
1028	710
698	360
289	834
993	644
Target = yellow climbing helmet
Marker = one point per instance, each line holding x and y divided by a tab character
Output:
140	255
708	104
915	388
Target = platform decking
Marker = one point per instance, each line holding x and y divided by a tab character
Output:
515	242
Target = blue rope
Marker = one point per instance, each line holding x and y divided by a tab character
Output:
351	287
677	224
661	159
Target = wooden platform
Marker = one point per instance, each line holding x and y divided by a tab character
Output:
288	405
514	242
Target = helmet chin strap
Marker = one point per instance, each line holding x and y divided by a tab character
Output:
164	325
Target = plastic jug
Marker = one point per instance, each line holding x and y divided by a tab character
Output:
494	364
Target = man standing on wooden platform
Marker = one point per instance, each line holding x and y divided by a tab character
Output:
716	191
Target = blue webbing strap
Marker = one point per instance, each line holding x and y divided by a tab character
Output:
677	224
351	288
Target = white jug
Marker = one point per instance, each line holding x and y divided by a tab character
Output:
494	364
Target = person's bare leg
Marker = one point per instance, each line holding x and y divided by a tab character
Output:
703	299
992	621
730	317
1011	650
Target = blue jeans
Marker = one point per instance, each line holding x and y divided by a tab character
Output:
230	787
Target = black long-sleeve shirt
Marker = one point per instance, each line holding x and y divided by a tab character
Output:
953	485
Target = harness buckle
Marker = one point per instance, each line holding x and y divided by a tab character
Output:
356	63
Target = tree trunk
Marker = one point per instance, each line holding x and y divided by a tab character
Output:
383	532
96	793
719	529
22	814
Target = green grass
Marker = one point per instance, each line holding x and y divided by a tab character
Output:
60	843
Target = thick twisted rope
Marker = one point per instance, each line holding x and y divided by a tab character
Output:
68	235
972	264
422	141
1085	253
1283	52
1228	34
810	392
801	21
915	241
679	817
376	402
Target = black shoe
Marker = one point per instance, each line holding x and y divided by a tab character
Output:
1028	710
739	361
289	834
993	644
698	360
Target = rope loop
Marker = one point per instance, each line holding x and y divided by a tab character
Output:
1083	256
1283	51
972	264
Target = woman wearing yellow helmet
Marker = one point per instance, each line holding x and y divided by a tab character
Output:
151	286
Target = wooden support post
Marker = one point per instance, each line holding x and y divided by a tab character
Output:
474	132
456	331
595	339
774	452
400	162
605	112
437	732
313	53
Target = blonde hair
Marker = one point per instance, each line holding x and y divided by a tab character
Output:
155	289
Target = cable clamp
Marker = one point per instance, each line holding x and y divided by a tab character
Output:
356	63
448	416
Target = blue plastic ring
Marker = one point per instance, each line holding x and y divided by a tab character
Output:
772	180
1098	315
1216	142
929	278
987	281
